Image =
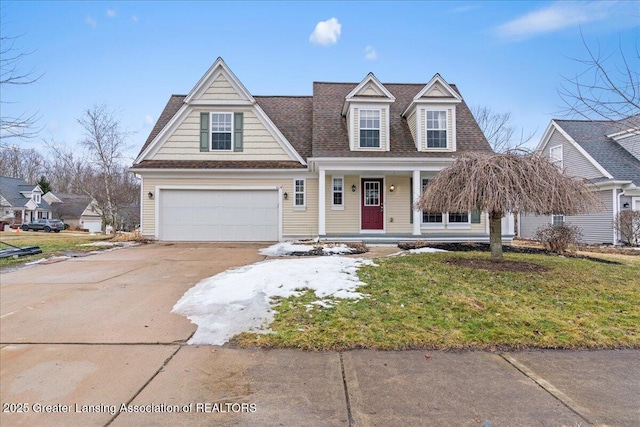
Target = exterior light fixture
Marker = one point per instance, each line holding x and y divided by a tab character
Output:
150	195
392	188
625	205
353	188
285	195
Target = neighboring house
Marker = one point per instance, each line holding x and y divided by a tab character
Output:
21	202
79	212
607	155
345	163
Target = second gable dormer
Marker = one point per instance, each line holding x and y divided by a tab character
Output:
431	116
366	108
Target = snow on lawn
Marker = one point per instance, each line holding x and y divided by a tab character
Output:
288	248
425	250
238	300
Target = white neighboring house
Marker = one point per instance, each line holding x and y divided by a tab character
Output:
607	155
78	211
21	202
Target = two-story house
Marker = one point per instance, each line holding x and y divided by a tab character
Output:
607	155
346	163
21	202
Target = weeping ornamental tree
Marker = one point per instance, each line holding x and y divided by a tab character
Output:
507	182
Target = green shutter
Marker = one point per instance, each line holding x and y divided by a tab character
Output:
475	217
204	132
237	131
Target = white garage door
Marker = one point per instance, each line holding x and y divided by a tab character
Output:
93	226
219	215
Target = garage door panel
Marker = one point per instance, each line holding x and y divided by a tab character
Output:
219	215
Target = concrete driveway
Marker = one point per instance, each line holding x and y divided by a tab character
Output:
91	341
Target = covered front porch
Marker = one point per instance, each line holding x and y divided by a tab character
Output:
373	201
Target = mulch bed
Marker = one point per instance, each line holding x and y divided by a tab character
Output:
484	247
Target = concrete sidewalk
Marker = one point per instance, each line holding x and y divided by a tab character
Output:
91	342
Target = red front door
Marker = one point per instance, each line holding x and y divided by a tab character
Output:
372	204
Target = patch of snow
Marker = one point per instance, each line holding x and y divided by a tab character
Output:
40	261
426	250
338	249
285	248
100	243
239	300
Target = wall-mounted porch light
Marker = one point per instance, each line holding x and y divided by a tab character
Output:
625	205
353	188
392	188
150	195
285	195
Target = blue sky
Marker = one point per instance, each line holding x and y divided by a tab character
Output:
510	56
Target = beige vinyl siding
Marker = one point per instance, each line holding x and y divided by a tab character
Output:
411	120
597	227
632	145
298	223
396	205
573	161
345	221
184	143
369	91
221	89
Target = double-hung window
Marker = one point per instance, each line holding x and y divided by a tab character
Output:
221	131
557	220
459	217
555	155
298	193
430	217
337	188
436	129
369	128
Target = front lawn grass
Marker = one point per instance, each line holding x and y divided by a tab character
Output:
421	301
52	244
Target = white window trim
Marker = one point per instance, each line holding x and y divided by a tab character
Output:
559	161
447	147
459	225
430	225
211	130
379	129
303	206
335	207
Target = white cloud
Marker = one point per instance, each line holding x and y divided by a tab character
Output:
370	53
111	13
326	32
89	20
148	120
556	17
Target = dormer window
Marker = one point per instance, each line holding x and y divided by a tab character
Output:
369	128
221	131
36	198
436	129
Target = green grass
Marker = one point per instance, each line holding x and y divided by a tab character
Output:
52	244
419	301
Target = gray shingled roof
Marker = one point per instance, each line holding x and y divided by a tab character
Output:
592	136
315	126
10	189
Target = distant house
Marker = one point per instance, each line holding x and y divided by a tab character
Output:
21	202
606	154
78	211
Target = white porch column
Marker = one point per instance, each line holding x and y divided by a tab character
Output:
417	190
321	203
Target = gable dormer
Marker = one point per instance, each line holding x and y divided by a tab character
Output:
629	139
431	116
366	108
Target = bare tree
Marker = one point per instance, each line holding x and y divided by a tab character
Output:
501	183
498	130
20	126
607	89
15	162
104	140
